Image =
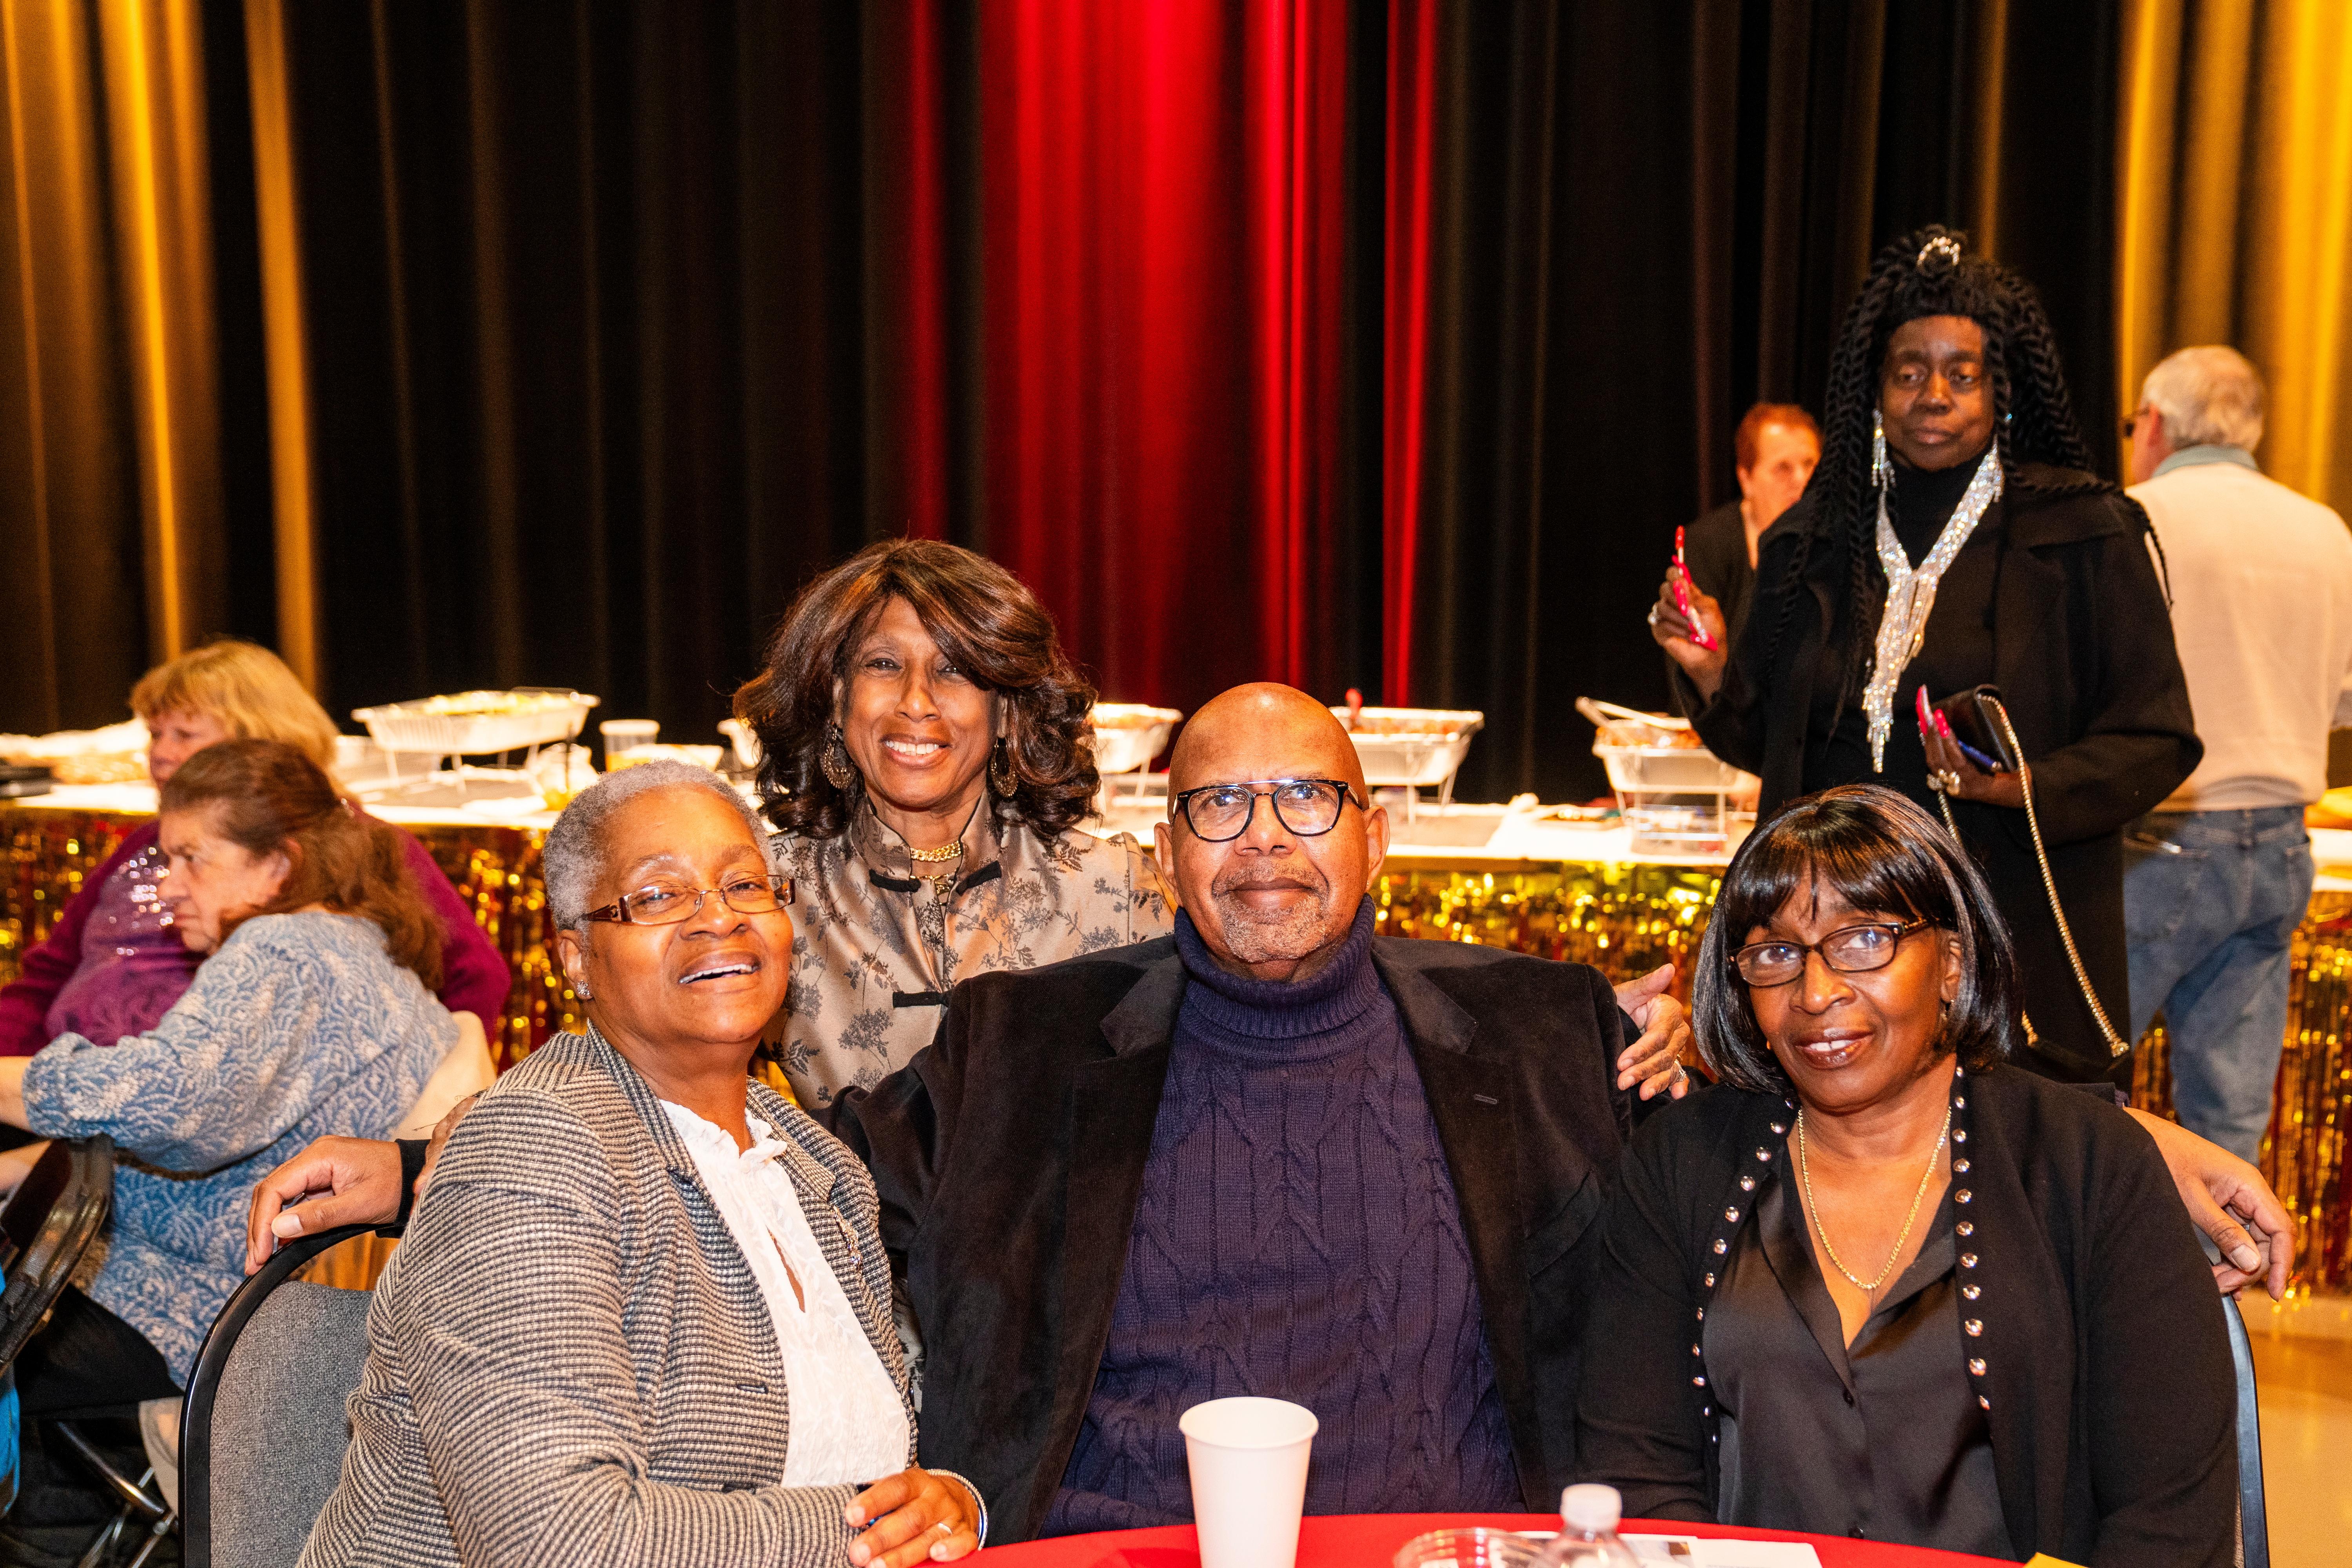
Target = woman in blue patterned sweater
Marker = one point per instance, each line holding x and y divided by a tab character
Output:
313	1013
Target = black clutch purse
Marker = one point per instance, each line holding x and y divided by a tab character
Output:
1985	740
1981	726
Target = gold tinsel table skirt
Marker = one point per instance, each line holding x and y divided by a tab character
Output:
1623	919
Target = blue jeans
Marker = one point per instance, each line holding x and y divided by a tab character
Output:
2210	903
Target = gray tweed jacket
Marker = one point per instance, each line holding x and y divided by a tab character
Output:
569	1362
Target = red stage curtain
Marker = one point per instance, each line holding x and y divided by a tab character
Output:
1411	141
1349	342
1161	199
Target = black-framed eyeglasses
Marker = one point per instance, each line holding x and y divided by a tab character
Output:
661	905
1307	807
1849	950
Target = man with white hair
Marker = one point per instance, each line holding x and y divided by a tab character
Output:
2217	876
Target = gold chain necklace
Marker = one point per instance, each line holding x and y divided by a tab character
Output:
945	880
1805	1174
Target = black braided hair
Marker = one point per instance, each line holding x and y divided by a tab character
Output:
2033	418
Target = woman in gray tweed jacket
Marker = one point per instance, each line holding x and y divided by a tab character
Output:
642	1316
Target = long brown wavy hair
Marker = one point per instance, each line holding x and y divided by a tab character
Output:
268	798
983	619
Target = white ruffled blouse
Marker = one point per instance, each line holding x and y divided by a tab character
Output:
847	1424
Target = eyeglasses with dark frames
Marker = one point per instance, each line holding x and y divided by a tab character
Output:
666	906
1307	807
1849	950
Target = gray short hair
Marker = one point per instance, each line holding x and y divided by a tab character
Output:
574	856
2209	396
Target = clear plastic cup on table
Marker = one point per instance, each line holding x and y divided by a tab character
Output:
1481	1546
1248	1462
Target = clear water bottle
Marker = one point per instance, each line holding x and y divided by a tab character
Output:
1588	1531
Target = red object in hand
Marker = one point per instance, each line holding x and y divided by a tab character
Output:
1699	634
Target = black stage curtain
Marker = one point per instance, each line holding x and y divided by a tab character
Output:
607	319
592	356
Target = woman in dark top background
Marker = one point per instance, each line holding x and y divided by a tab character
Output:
1876	1282
2019	568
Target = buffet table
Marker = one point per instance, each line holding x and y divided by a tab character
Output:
1370	1540
1514	877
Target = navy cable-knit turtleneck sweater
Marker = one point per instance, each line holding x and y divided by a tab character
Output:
1298	1236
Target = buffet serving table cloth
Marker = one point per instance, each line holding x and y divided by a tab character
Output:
1370	1540
1499	876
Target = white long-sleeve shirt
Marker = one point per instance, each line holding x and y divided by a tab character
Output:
2262	612
847	1425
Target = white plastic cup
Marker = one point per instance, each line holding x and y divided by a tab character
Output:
1249	1459
623	736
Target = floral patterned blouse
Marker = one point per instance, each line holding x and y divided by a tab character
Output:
298	1027
876	947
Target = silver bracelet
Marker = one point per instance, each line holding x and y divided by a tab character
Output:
978	1502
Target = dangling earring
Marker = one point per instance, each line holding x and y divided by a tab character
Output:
1001	776
1881	470
834	759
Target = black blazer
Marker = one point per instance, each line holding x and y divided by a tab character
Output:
2095	1334
1008	1158
2083	655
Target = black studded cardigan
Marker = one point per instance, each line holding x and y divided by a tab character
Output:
2086	1316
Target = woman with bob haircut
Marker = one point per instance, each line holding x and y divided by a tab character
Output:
112	965
928	752
1879	1282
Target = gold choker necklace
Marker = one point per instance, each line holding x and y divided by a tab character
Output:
945	852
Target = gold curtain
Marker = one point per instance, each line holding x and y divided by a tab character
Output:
283	338
106	323
2235	211
113	308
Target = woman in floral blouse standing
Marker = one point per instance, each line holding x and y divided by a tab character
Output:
926	755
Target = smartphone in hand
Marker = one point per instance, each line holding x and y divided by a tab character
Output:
1698	632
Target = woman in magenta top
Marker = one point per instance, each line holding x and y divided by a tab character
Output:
113	965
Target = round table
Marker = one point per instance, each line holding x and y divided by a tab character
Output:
1371	1540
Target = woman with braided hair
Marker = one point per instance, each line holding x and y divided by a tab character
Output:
1952	469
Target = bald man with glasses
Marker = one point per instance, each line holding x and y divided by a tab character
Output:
1270	1154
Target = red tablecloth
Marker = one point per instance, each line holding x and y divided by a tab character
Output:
1371	1540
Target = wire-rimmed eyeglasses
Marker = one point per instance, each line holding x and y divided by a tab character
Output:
1307	807
1849	950
666	906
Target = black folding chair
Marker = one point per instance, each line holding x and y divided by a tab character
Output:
48	1223
262	1434
2253	1522
45	1226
